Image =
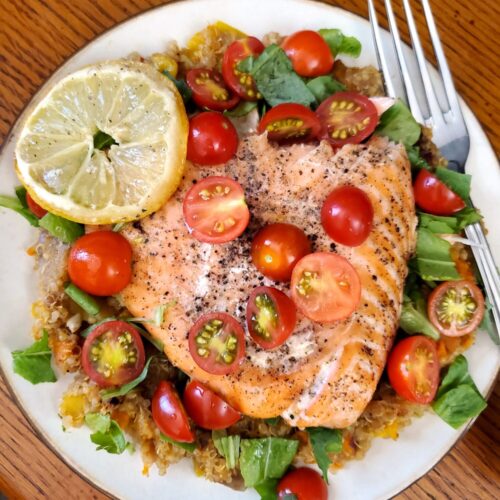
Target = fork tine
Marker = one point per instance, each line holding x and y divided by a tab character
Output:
411	98
436	115
382	61
444	70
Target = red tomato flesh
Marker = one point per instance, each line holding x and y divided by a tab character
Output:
456	308
347	216
215	210
413	369
310	54
113	354
346	118
217	343
304	483
212	139
209	90
277	248
34	207
100	263
240	83
434	196
271	316
288	122
325	287
169	414
207	409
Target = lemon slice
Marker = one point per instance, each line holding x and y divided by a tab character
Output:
139	112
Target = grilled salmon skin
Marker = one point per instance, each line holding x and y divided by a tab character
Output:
324	374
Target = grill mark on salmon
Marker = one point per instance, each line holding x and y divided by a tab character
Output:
324	375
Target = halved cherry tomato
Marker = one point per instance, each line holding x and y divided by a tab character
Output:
34	207
209	90
310	54
217	343
207	409
271	316
113	354
277	248
100	263
434	196
241	83
212	139
413	369
169	414
456	308
325	287
302	484
289	121
215	210
347	215
346	118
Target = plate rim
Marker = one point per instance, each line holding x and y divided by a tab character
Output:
38	432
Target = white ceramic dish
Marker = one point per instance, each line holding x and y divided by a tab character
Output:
419	447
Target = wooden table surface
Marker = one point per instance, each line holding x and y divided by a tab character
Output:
36	36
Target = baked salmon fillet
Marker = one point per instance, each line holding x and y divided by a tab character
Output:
324	374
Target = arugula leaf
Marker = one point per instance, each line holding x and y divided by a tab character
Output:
228	447
265	458
341	44
458	183
267	490
324	86
433	260
185	446
33	363
324	441
21	195
243	108
449	224
397	123
83	299
487	323
416	160
414	320
458	398
125	389
181	85
107	434
65	230
276	80
17	206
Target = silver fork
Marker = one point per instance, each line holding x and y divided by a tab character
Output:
443	115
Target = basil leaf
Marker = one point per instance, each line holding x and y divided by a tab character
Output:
324	441
181	85
414	321
246	65
449	224
458	398
34	362
433	260
276	80
65	230
488	325
267	489
265	458
324	86
228	447
243	108
341	44
185	446
107	434
103	140
397	123
125	389
17	206
416	160
458	183
83	299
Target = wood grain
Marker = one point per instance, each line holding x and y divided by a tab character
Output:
36	36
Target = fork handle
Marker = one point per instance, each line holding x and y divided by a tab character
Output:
487	268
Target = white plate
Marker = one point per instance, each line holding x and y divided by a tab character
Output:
419	447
